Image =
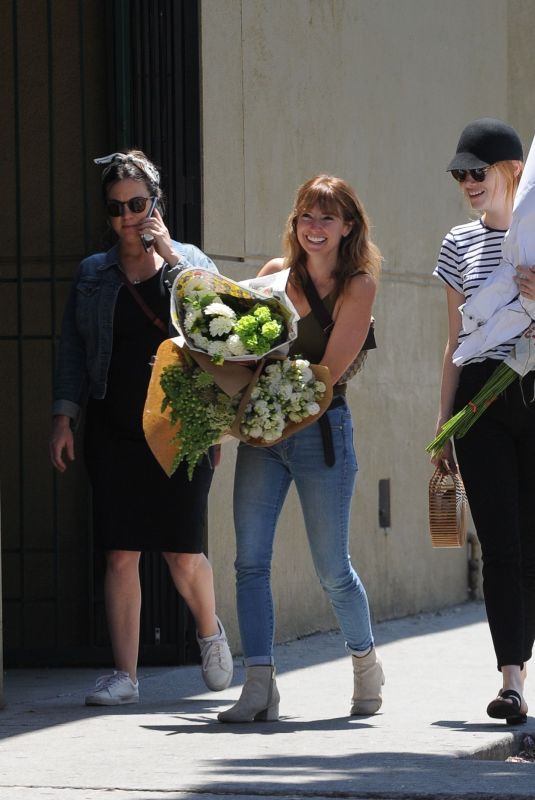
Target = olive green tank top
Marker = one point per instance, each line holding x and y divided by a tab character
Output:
311	340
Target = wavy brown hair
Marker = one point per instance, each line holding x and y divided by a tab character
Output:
357	252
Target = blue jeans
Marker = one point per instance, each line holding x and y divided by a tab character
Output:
263	477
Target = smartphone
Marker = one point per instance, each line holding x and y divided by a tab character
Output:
146	239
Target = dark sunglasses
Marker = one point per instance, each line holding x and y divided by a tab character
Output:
479	174
115	208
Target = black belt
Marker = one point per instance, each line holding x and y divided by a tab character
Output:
326	432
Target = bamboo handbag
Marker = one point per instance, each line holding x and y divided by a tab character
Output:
448	510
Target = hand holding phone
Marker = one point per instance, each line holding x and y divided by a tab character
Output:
147	240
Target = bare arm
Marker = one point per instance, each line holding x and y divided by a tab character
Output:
272	266
450	375
352	322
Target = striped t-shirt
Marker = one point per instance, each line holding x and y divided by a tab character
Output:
469	254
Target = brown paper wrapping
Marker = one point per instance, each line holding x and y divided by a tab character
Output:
321	373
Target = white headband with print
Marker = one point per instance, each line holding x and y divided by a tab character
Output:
144	165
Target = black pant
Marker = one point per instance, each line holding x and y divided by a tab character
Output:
497	463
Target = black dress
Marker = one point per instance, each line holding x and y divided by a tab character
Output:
135	505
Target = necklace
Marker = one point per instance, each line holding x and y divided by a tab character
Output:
135	281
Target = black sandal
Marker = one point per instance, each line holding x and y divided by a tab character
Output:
510	712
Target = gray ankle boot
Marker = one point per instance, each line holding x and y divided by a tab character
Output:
259	699
368	678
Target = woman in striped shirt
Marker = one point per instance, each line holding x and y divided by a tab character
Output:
497	455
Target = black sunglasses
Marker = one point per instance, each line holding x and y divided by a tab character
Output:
115	208
479	174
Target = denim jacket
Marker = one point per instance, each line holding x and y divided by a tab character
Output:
86	339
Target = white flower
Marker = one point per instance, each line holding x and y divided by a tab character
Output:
255	432
218	349
191	317
270	436
306	374
219	326
273	369
313	408
236	346
194	288
200	341
285	391
219	310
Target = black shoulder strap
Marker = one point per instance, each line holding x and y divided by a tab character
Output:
142	304
317	306
325	319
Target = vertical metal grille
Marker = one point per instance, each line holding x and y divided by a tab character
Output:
80	79
156	98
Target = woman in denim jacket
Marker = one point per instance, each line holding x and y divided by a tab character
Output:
107	340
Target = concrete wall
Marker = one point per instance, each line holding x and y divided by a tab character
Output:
375	91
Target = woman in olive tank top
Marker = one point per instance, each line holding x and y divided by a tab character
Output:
327	243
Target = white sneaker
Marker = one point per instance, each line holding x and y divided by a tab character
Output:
217	666
114	690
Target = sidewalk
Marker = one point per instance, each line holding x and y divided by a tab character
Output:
432	738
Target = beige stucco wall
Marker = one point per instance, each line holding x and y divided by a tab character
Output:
375	91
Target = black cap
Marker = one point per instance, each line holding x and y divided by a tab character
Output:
484	142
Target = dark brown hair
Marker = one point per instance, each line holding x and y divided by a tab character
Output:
133	165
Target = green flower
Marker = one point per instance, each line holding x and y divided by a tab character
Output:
259	330
205	412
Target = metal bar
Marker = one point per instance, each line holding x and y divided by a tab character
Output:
83	125
18	261
192	132
51	258
122	95
90	575
177	174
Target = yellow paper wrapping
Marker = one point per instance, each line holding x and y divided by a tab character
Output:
276	300
157	425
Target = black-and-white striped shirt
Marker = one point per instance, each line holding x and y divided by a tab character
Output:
469	254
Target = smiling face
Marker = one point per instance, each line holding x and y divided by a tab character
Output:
126	226
321	231
488	196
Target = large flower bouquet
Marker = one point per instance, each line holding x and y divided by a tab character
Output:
193	403
228	320
287	391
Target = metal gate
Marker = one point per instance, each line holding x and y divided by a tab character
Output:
81	79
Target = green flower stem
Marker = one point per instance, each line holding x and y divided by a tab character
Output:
205	412
460	423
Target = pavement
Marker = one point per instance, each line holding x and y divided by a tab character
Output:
432	738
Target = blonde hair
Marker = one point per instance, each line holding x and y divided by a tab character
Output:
507	171
357	253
